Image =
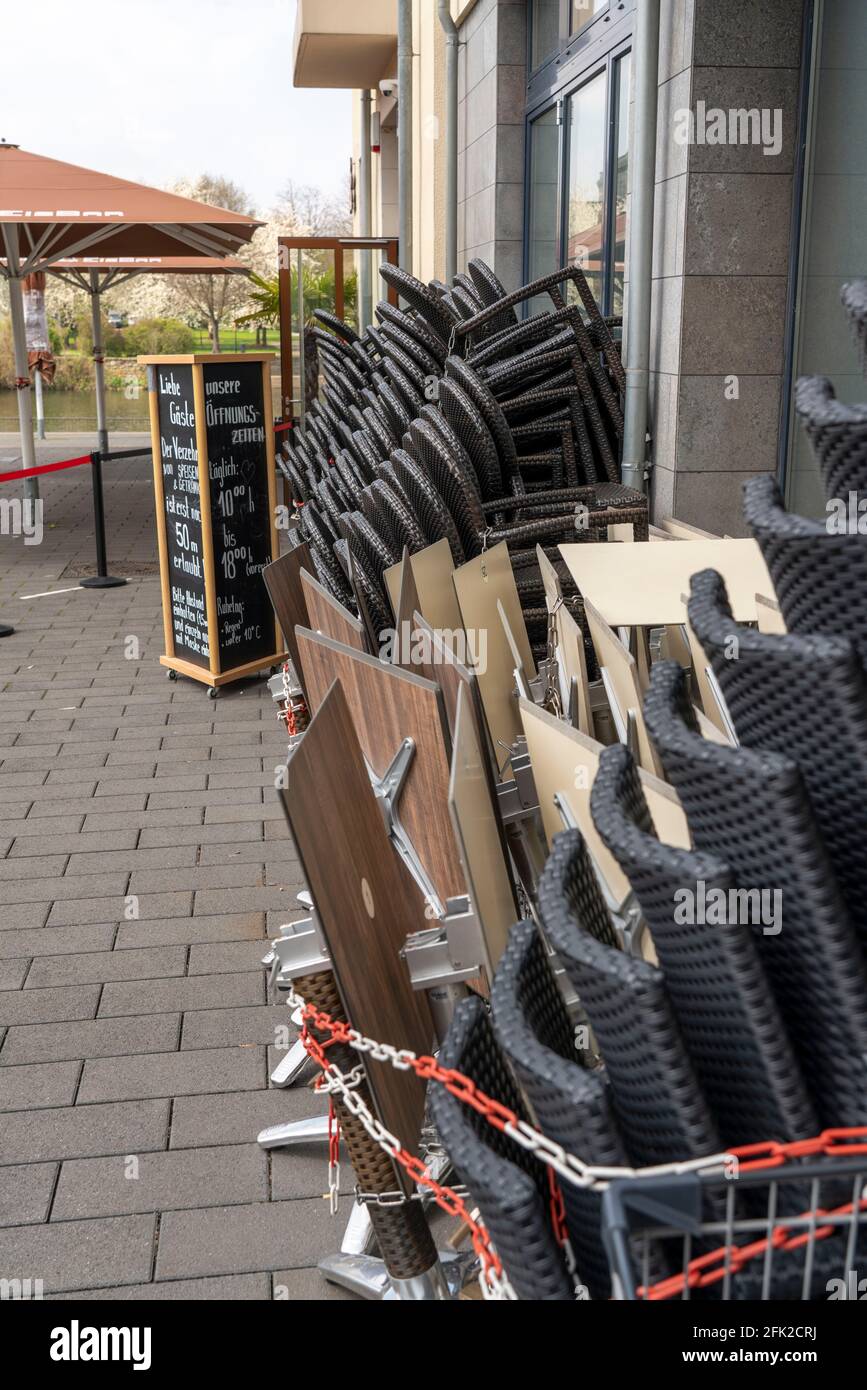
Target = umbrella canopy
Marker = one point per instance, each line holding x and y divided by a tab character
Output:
60	210
51	211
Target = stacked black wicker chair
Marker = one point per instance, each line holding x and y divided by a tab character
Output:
731	1024
804	697
659	1106
570	1102
752	810
819	576
510	1185
838	436
374	444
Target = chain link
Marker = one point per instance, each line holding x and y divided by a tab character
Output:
493	1280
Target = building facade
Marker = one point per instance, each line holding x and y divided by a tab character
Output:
760	194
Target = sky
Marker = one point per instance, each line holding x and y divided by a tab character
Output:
160	90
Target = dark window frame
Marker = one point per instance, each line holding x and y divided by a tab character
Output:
597	48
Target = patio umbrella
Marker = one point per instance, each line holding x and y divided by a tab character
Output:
51	211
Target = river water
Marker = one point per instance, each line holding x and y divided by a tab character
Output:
76	410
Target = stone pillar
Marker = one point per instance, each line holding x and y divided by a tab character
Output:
721	259
492	93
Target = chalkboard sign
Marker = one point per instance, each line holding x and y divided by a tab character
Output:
214	478
241	512
179	471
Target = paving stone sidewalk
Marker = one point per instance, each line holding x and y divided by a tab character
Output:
144	862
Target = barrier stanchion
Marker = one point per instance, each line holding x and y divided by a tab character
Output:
102	579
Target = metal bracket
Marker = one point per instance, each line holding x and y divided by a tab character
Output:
451	952
300	949
387	790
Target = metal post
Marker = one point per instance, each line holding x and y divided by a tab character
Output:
641	245
365	278
302	364
102	579
98	364
452	53
22	367
40	404
404	130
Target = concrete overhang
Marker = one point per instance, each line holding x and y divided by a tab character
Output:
345	43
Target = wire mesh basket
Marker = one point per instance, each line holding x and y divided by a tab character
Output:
770	1222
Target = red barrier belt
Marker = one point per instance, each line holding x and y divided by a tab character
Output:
19	473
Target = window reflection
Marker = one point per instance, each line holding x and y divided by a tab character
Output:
545	30
585	10
623	70
544	200
586	182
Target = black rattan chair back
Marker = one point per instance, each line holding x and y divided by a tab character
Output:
752	811
656	1096
509	1184
729	1019
804	697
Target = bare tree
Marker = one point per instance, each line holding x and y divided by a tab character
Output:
214	297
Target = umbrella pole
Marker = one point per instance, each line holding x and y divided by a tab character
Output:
22	366
98	363
40	404
102	579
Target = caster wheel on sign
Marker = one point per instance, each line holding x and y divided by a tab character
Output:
172	675
213	693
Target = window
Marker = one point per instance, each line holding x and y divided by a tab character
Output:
583	11
545	31
585	229
578	159
833	235
544	201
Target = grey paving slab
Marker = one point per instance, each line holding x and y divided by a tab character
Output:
233	926
80	1131
98	966
13	973
207	1071
232	1240
48	1005
189	992
72	911
38	1086
268	1024
46	942
239	1116
68	1255
128	1183
230	1289
100	1037
229	957
25	1192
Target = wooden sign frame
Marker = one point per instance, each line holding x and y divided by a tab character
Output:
213	675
